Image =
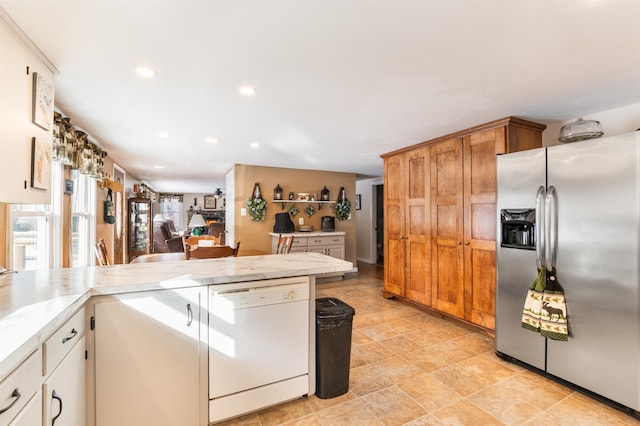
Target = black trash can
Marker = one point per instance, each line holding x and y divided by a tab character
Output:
334	320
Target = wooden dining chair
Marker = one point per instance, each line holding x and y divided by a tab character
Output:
204	252
100	249
284	244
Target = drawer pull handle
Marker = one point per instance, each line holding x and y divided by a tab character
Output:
189	315
74	333
54	395
15	394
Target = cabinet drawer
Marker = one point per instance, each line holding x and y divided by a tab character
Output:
25	381
326	241
299	242
61	342
32	413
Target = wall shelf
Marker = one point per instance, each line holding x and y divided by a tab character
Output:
319	203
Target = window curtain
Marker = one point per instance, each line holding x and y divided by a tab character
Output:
165	197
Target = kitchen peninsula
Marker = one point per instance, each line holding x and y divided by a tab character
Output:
37	307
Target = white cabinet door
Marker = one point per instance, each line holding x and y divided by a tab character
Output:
151	365
15	121
64	390
333	251
336	251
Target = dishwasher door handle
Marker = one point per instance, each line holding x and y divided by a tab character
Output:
189	315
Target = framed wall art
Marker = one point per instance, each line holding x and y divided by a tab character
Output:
358	201
68	186
209	202
40	164
42	102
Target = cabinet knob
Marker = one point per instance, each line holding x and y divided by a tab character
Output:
466	243
458	243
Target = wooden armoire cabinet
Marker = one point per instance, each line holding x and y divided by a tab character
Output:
440	218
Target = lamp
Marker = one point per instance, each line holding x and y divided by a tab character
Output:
196	223
159	218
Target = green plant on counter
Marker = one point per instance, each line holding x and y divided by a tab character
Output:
343	209
257	209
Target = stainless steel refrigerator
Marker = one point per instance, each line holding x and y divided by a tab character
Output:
574	208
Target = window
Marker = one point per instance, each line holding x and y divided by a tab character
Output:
171	208
83	206
30	237
35	231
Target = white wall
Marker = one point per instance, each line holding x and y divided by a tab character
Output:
365	223
614	122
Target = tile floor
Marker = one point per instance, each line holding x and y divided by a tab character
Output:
409	367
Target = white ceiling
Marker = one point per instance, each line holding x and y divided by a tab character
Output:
339	82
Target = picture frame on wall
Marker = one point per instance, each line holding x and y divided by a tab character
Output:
42	102
40	164
358	202
68	186
209	202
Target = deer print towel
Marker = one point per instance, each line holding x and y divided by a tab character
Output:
545	309
533	302
553	317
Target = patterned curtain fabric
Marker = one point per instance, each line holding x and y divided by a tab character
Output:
165	197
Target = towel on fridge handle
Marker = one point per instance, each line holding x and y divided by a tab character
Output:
545	309
553	317
533	302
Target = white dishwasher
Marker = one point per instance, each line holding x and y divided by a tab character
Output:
259	343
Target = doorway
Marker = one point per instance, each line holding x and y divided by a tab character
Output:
379	225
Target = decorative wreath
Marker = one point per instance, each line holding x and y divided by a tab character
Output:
343	209
257	209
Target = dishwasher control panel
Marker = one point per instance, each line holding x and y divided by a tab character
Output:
259	296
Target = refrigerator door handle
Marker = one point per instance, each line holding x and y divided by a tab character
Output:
540	234
551	221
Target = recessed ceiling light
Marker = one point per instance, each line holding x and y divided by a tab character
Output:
247	91
146	72
163	135
255	144
158	167
211	140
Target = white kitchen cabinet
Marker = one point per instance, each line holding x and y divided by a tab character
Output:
16	126
64	390
151	358
31	414
18	390
327	243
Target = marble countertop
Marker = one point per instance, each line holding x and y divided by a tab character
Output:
309	234
33	304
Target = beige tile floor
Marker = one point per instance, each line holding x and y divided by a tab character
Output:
409	367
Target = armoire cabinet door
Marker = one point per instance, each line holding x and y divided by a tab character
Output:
407	226
479	155
417	226
446	227
394	250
